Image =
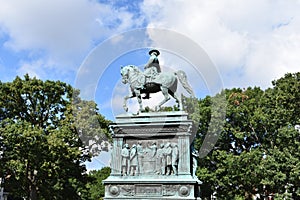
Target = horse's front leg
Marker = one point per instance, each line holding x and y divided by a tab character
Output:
125	102
139	98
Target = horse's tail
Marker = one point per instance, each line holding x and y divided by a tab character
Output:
183	80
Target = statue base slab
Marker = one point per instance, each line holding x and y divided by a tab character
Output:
168	187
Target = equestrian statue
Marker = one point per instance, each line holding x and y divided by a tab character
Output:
152	80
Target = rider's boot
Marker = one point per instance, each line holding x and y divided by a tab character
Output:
148	80
147	96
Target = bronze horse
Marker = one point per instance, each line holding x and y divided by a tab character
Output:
166	82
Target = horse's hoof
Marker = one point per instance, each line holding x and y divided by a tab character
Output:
126	109
157	108
147	96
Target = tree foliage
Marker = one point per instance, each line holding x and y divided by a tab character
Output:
95	187
43	154
91	127
258	147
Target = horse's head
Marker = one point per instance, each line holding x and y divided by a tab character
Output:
127	72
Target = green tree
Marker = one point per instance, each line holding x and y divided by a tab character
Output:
43	154
90	125
282	108
282	102
95	187
258	148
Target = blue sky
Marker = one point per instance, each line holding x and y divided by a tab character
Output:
220	44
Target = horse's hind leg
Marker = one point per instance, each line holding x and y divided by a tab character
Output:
177	99
165	92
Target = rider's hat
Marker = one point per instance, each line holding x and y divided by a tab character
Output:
154	50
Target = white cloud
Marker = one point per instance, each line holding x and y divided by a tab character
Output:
45	24
252	42
171	62
33	69
61	31
116	101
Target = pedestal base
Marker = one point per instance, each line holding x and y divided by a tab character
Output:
154	148
169	187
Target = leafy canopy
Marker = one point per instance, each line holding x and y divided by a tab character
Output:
258	147
42	124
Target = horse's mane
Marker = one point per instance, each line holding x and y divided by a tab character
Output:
135	68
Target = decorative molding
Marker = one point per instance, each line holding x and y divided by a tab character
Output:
151	130
184	191
114	190
146	190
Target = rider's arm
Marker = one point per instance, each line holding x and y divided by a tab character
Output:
150	61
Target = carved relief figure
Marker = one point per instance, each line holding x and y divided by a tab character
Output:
175	158
140	152
161	161
195	155
133	160
125	160
149	158
168	154
153	149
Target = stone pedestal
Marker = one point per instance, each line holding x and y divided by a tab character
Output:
151	158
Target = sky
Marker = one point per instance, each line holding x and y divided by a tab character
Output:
218	43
